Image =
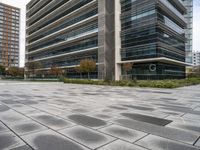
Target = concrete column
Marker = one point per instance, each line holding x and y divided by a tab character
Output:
106	40
117	39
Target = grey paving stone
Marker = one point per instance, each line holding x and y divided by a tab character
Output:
168	99
87	120
121	145
162	92
24	147
198	143
3	128
102	116
186	126
99	106
168	112
27	127
28	102
87	137
52	121
123	133
66	102
175	106
49	140
4	108
8	140
167	132
22	108
183	110
5	95
158	143
183	120
79	110
139	107
191	116
147	113
8	101
197	108
11	116
147	119
117	108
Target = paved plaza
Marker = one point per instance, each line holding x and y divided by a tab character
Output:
57	116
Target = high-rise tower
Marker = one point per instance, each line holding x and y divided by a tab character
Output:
9	35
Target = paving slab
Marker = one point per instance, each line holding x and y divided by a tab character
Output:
88	137
139	107
11	117
121	145
190	126
52	121
50	140
24	147
103	116
8	140
167	132
198	143
123	133
147	119
3	128
158	143
191	116
93	116
27	127
87	120
4	108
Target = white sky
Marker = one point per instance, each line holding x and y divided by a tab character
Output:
22	5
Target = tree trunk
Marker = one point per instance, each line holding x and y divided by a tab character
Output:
88	75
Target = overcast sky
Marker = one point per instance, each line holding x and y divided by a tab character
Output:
22	4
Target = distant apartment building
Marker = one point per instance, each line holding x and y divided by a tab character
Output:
150	34
9	35
189	30
196	58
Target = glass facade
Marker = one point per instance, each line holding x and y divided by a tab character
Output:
56	17
156	71
65	24
150	31
62	42
82	45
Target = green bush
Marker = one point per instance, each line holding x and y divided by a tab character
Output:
158	84
143	83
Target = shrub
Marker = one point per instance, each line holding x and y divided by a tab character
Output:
144	83
2	70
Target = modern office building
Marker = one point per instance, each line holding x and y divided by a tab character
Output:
150	34
189	30
196	58
9	35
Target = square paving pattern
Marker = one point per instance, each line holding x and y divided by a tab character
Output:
57	116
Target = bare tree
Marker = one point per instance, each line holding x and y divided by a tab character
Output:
196	71
15	71
33	67
127	67
87	66
56	71
78	70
